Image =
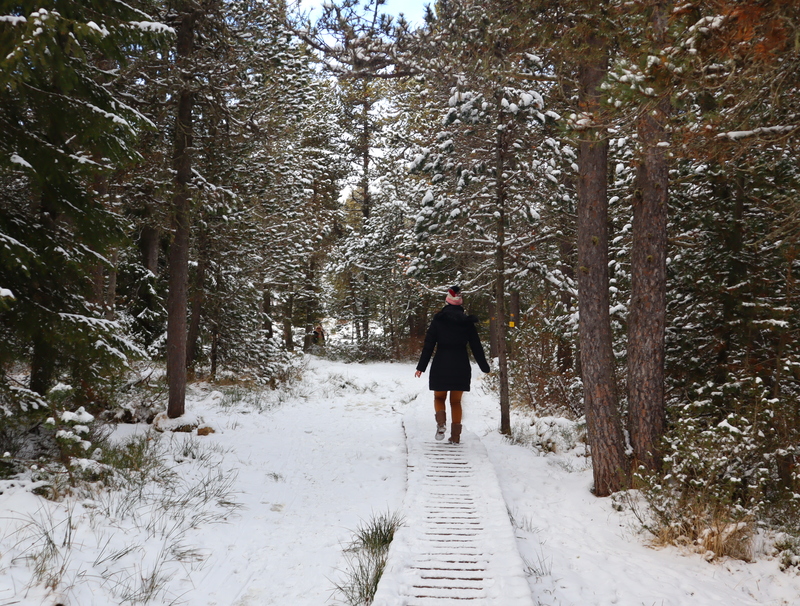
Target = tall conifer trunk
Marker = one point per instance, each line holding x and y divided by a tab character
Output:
178	259
366	198
148	246
198	301
564	355
597	355
267	311
43	362
288	314
500	284
111	286
648	306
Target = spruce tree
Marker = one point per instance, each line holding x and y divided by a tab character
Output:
64	130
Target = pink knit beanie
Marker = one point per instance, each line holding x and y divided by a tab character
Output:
454	296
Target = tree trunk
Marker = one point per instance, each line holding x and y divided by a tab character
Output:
514	310
730	193
648	306
366	197
148	246
179	247
214	350
308	338
98	286
111	287
502	345
500	285
492	330
101	194
288	312
43	362
365	313
564	346
785	337
198	299
268	312
597	356
418	324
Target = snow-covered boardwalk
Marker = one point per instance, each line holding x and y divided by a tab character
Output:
457	543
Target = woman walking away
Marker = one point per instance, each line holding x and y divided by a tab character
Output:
450	331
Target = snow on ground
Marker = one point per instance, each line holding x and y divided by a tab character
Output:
315	460
582	552
458	542
310	471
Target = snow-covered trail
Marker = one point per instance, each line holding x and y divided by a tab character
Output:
457	542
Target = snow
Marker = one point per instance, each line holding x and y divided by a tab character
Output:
113	117
79	416
153	26
17	159
457	542
100	30
13	19
309	462
766	130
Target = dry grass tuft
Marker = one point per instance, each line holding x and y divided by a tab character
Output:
714	534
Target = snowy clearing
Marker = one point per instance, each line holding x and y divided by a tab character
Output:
307	465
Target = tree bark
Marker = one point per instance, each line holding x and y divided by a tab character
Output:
597	356
311	322
98	286
214	350
99	273
198	299
648	306
502	346
179	247
267	310
43	362
567	261
514	310
148	246
111	286
492	330
730	193
500	285
101	292
288	313
365	314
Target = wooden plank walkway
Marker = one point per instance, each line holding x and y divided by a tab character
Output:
457	545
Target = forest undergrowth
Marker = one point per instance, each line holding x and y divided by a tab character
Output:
119	513
722	491
123	521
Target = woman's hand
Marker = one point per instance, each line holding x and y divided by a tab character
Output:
418	374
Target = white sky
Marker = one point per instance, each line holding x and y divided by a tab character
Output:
412	9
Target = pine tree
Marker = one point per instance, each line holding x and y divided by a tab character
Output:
64	130
481	204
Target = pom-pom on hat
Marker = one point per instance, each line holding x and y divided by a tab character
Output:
454	296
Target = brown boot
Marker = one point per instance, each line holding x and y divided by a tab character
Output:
455	433
441	424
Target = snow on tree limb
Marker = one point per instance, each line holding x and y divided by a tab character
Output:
765	130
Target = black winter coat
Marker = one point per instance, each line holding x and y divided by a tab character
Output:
450	331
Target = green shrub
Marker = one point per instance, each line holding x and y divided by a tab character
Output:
722	475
